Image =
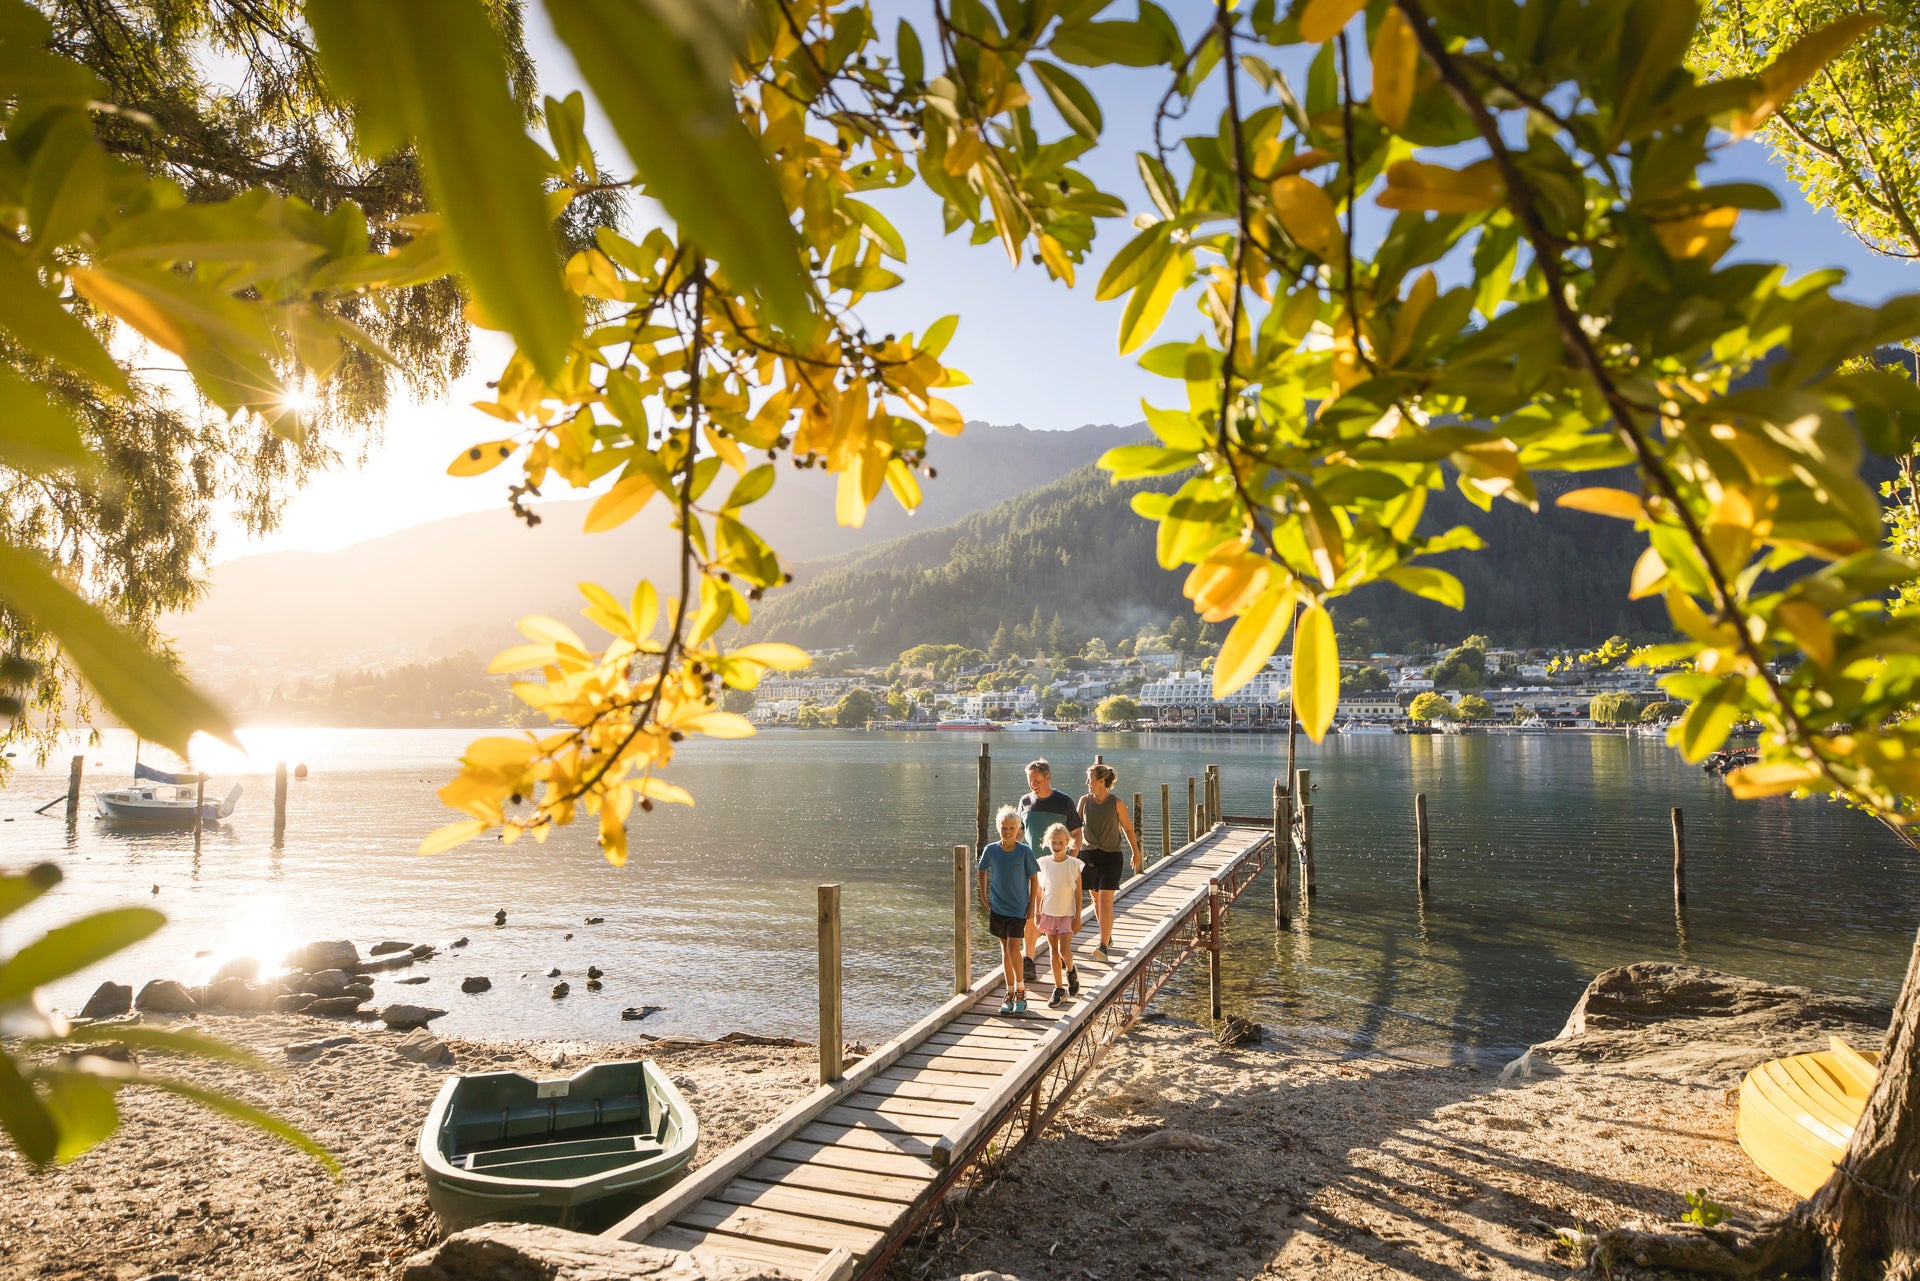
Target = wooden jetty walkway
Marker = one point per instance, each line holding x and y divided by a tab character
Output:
830	1188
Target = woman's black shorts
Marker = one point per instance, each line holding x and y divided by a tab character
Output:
1006	927
1105	869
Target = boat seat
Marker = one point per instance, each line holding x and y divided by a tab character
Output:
624	1144
477	1130
544	1164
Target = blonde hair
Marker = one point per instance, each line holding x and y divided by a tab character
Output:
1102	772
1047	840
1006	812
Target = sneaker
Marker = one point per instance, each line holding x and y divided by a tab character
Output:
1058	999
1026	969
1073	981
1020	1006
1100	950
1008	1007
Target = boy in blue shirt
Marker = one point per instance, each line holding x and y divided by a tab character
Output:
1010	886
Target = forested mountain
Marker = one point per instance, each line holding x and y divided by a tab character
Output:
1076	548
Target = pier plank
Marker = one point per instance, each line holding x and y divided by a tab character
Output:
845	1158
777	1227
888	1122
813	1203
873	1137
877	1187
705	1245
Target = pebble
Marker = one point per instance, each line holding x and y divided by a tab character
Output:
462	941
596	920
475	983
304	1049
500	917
594	972
636	1012
416	979
593	985
560	990
554	973
391	945
566	936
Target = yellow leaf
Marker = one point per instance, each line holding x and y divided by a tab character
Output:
943	418
1253	639
1311	158
717	725
1307	212
613	831
521	658
1705	235
1769	778
1396	63
964	152
1414	184
1316	672
620	504
849	503
481	458
1322	19
499	753
1809	628
903	483
778	655
132	306
660	790
1425	290
452	834
1056	259
1649	573
538	627
1605	502
1219	585
1803	58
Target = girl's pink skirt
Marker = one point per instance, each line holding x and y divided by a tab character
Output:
1054	924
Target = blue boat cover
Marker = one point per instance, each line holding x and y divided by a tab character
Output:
153	775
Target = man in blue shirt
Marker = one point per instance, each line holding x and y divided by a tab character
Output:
1010	887
1040	809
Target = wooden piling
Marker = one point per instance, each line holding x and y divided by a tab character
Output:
73	788
1196	820
279	804
1213	795
1166	820
1679	858
1139	832
1306	843
830	1043
984	797
1420	836
199	802
962	920
1193	814
1282	854
1213	944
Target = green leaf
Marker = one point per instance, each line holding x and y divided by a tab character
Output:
938	335
224	342
913	62
750	488
1710	719
1147	306
24	1117
68	949
1430	584
1138	260
1073	100
17	889
883	232
81	1105
1316	671
1130	462
1098	44
37	437
35	317
164	1039
661	70
66	182
224	233
433	71
139	688
567	127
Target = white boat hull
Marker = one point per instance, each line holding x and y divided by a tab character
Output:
162	806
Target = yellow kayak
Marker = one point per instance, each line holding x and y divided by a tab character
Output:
1797	1114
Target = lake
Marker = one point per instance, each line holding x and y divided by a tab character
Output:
1551	860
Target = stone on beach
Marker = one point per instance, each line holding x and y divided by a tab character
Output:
560	990
327	982
413	981
240	967
313	1049
554	973
391	961
462	941
166	996
239	994
404	1017
423	951
359	988
475	983
293	1003
594	972
422	1046
391	945
523	1251
335	954
500	917
634	1013
109	1000
335	1005
596	920
594	985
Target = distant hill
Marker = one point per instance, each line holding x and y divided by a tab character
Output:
1075	547
457	584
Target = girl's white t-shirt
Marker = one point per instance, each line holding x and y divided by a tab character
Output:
1056	885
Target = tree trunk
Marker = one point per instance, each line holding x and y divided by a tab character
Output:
1864	1222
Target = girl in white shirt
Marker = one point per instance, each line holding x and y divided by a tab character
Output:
1059	915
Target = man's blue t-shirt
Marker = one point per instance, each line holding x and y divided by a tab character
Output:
1007	872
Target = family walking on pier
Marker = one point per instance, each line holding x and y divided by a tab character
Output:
1031	893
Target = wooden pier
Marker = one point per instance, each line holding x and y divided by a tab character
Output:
830	1188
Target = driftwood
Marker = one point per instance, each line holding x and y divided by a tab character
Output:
1789	1245
530	1252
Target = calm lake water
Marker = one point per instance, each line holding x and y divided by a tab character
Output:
1551	860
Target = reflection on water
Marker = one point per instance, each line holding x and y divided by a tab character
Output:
1551	859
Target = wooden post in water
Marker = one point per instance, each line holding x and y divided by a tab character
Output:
1679	858
1420	836
1213	795
1166	820
199	802
984	797
1193	814
1196	819
1303	797
830	1044
279	804
1282	853
73	788
962	920
1139	821
1213	945
1306	842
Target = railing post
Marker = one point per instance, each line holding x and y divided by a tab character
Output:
1139	832
1166	820
1213	795
279	804
962	920
73	787
1193	814
1282	854
1194	819
985	795
830	1041
1679	858
1420	836
1213	944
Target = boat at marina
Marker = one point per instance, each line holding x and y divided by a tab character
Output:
1031	725
1797	1113
581	1152
160	799
1364	727
968	726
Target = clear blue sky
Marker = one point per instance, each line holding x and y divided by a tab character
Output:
1039	354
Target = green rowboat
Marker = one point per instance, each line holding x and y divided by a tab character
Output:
578	1153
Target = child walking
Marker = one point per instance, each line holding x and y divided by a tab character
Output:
1010	886
1059	915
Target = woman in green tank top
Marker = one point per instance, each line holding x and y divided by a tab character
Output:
1106	823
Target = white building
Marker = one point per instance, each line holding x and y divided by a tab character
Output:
1191	693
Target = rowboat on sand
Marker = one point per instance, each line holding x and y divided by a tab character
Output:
1797	1113
582	1152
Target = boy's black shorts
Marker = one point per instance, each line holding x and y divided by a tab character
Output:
1006	927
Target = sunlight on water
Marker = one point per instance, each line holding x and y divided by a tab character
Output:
1551	860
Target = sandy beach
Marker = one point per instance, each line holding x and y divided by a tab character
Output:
1181	1158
